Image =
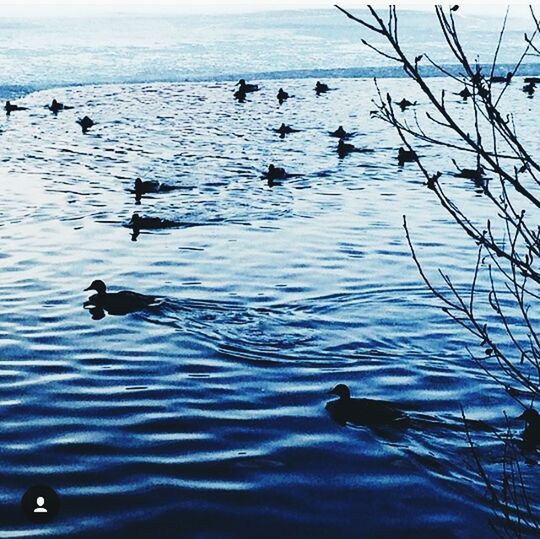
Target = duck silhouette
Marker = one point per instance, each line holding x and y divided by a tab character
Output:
340	133
529	88
406	156
344	149
367	412
138	223
240	95
321	88
476	174
247	88
531	434
86	123
9	107
285	130
276	173
507	78
405	104
282	96
465	93
117	303
56	107
150	186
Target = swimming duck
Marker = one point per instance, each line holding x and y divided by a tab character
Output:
117	303
240	95
465	93
405	104
86	123
532	80
282	95
11	108
276	173
321	88
406	156
55	106
476	174
507	78
150	223
247	88
142	188
529	88
285	130
339	133
531	434
366	412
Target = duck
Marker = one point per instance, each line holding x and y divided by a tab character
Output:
11	108
465	93
247	88
282	95
55	106
344	149
531	434
507	78
285	130
405	104
150	223
476	174
529	88
321	88
117	303
340	133
86	123
531	80
366	412
276	173
406	156
240	95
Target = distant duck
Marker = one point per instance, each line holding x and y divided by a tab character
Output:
406	156
367	412
143	188
340	133
55	106
247	88
507	78
465	93
405	104
321	88
117	303
282	95
276	173
531	434
150	223
240	95
476	174
9	108
86	123
285	130
532	80
530	88
344	149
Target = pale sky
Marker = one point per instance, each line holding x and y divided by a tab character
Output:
81	7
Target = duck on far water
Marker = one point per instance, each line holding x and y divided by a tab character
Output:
118	303
531	434
367	412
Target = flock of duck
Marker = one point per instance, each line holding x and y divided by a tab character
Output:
345	409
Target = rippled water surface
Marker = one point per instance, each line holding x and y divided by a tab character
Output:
205	415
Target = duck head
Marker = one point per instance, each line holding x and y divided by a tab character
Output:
342	391
271	169
138	184
530	416
241	82
98	286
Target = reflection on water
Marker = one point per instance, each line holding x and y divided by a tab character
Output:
206	412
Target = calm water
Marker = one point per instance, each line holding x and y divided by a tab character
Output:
205	416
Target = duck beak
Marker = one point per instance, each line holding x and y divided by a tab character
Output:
89	288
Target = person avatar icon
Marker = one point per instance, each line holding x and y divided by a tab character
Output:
40	502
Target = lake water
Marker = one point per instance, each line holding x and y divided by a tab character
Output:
205	416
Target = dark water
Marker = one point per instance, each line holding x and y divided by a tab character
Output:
204	416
